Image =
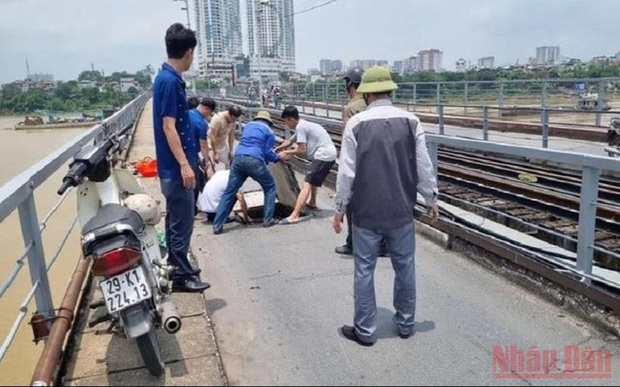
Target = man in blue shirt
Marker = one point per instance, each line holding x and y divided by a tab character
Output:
177	154
198	120
254	152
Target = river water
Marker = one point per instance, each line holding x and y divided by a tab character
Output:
19	150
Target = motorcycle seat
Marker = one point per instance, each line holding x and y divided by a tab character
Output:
111	215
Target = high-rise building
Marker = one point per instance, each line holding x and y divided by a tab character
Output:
271	32
336	65
325	65
410	65
548	55
430	60
488	62
218	31
398	67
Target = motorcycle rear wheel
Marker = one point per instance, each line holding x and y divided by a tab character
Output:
149	350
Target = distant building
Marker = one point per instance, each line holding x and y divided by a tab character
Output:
397	67
218	31
325	65
410	65
461	65
126	83
430	60
242	66
364	64
336	65
314	71
271	32
548	55
40	77
87	84
383	63
488	62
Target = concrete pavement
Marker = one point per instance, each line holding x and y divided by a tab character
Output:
279	296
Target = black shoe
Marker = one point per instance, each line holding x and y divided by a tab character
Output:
190	285
272	223
218	231
405	336
384	253
349	333
346	250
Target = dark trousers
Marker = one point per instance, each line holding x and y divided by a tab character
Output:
179	224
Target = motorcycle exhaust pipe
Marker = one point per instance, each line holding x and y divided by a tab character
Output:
169	316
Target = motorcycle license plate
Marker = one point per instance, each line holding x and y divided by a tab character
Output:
125	290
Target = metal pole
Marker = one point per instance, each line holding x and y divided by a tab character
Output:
545	127
36	256
587	219
599	103
466	97
500	101
543	96
314	99
415	92
441	126
485	123
438	94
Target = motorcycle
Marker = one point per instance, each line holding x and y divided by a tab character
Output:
118	233
613	138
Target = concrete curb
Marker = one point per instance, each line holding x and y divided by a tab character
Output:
439	237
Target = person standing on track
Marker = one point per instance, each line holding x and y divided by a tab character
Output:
383	164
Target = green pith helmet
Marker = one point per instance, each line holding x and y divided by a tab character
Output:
264	115
377	79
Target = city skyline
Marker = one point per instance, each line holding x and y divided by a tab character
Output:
47	34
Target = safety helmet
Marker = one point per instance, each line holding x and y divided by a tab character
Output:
146	206
377	79
614	123
354	75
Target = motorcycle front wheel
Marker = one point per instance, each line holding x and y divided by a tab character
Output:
151	355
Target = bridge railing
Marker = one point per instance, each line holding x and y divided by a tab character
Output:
19	195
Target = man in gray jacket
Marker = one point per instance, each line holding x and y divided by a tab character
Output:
383	164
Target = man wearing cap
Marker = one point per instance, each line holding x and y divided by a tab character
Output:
396	161
222	134
253	153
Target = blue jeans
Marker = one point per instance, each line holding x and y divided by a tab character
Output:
243	167
179	224
401	246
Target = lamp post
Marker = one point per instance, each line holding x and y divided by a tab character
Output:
186	9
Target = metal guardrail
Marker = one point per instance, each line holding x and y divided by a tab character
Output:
488	118
18	194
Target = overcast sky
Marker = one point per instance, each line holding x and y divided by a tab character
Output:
64	37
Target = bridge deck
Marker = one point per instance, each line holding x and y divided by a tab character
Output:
279	296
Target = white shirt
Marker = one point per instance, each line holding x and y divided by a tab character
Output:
210	197
319	144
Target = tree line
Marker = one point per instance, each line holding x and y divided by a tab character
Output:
101	92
